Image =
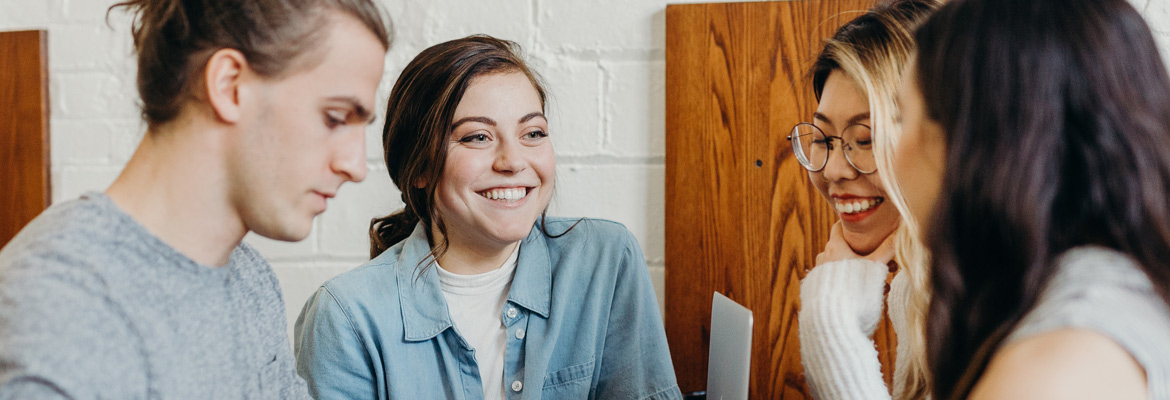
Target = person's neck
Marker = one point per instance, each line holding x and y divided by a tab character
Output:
174	186
464	259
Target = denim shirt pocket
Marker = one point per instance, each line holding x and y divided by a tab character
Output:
569	383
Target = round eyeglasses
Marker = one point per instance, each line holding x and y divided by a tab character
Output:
812	147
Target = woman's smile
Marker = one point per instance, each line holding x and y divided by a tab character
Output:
859	198
856	209
499	172
506	195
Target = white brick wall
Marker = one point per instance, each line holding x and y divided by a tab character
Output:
603	61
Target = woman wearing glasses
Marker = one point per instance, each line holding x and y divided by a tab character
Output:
846	150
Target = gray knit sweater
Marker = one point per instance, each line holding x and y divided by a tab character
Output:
92	306
1105	291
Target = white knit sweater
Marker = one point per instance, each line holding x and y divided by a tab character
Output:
841	305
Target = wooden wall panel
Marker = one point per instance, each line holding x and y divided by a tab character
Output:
24	130
741	215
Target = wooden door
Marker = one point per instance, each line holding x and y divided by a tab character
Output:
24	130
741	215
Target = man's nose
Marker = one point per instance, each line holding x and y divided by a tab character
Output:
350	158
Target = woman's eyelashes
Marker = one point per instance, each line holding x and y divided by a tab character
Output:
474	138
334	119
481	137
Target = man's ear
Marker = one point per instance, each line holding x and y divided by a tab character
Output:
222	78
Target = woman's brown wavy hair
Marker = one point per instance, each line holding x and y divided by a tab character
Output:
418	123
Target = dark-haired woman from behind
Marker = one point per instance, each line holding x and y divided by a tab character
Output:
473	293
1036	150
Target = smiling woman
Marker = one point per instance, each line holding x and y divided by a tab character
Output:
472	290
498	177
847	152
849	181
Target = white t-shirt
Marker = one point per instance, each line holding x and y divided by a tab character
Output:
476	303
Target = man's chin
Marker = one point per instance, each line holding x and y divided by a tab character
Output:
286	233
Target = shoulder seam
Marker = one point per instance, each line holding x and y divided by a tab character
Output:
359	268
348	319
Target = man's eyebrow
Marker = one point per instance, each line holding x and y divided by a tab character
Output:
532	115
482	120
360	111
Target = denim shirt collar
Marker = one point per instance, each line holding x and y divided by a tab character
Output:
424	310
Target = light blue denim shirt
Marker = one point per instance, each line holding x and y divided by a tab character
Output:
581	316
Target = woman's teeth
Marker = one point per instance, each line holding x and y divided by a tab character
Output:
853	206
505	194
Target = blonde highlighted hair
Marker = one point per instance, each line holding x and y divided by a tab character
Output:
873	50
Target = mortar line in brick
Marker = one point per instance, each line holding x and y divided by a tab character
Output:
96	119
602	97
608	159
317	245
80	69
535	34
80	168
87	164
609	54
56	9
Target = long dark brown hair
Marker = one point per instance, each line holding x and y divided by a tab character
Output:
1057	122
175	38
418	123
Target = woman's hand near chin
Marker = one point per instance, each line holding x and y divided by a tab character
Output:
841	305
838	249
846	286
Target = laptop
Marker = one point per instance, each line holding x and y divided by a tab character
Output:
730	359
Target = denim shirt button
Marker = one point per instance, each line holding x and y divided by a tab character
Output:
517	386
520	334
511	312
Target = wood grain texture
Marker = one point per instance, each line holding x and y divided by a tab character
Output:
741	215
24	130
